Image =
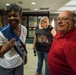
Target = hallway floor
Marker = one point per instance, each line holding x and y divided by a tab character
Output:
30	67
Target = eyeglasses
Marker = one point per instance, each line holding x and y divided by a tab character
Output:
64	19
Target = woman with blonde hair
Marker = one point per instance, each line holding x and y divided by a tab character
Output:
42	42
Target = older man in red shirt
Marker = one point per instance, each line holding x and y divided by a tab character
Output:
62	54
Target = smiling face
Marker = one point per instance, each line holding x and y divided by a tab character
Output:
14	13
65	21
13	18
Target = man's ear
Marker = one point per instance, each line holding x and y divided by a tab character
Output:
75	22
20	15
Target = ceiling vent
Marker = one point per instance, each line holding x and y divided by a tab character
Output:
20	2
26	9
70	6
44	8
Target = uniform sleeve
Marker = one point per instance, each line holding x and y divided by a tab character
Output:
36	30
24	32
2	39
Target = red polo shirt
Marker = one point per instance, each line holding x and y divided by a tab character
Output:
62	54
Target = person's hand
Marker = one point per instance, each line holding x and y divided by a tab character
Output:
33	47
25	61
8	44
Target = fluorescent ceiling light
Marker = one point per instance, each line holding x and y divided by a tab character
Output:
67	8
72	2
71	5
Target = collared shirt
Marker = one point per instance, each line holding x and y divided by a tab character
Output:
62	54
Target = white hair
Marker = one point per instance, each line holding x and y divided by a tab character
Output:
45	17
